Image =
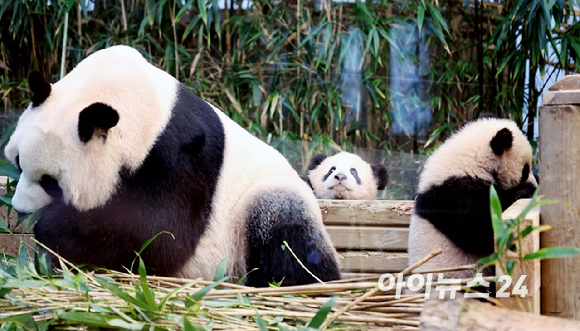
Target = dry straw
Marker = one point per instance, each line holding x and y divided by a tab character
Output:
127	300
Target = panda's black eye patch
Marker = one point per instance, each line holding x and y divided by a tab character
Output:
50	186
525	173
329	173
354	173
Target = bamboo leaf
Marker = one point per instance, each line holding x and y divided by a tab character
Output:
553	253
117	322
32	218
220	270
533	229
310	36
420	17
187	326
261	325
150	240
435	134
147	292
182	11
9	170
192	299
488	259
166	298
115	289
495	209
88	318
436	14
202	10
320	316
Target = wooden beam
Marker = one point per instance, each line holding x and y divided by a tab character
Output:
368	213
373	262
470	314
369	237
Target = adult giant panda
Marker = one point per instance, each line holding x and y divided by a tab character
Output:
452	206
121	151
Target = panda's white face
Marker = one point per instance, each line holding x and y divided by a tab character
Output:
343	176
51	143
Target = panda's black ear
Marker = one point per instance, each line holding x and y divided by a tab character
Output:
502	141
96	119
39	86
381	175
316	161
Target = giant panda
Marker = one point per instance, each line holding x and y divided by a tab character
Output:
345	176
452	209
120	151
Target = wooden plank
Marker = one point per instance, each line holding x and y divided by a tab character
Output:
365	212
531	268
369	237
373	262
9	242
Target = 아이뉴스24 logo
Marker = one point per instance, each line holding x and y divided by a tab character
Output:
418	282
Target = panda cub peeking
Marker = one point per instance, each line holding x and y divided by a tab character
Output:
120	151
345	176
452	206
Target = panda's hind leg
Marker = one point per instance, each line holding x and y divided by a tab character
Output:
278	216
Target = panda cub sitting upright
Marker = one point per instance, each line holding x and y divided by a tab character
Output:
452	206
120	151
345	176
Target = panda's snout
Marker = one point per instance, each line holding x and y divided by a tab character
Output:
340	177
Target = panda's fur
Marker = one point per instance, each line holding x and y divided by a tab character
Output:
121	151
452	206
345	176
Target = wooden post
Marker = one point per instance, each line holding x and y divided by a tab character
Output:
560	179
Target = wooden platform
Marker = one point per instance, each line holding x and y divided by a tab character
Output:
370	236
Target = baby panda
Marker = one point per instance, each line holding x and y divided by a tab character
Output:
119	151
345	176
452	206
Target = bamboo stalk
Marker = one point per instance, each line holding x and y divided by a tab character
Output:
64	40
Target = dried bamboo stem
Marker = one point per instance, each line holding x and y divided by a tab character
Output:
377	289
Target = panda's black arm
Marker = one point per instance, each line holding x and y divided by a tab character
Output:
460	209
110	238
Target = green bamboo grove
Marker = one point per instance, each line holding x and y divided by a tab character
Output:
390	75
